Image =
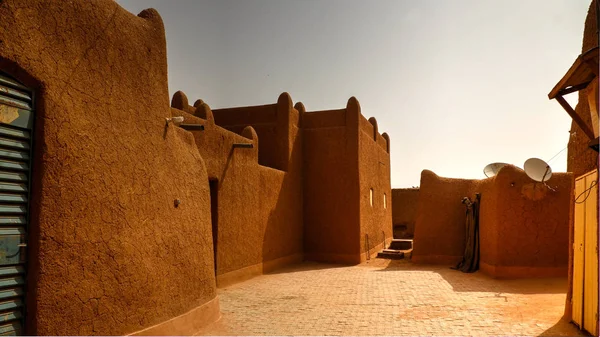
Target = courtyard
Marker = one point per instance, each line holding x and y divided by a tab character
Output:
387	297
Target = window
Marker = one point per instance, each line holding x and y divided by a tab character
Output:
384	201
371	196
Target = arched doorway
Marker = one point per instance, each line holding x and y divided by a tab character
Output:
16	133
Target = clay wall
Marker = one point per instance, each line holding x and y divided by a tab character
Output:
106	173
374	174
404	211
331	193
523	232
341	147
271	125
581	159
440	219
532	230
260	219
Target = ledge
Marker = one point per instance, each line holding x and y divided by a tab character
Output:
249	272
187	324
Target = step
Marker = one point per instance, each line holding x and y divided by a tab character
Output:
395	254
401	244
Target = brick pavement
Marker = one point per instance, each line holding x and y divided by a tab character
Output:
383	297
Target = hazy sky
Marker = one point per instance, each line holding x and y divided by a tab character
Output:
457	84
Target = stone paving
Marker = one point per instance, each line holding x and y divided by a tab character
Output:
383	297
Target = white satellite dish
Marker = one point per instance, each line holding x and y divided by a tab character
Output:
492	169
537	169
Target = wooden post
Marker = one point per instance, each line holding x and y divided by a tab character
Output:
575	117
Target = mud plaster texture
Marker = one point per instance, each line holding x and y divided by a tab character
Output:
404	211
581	159
109	253
524	230
344	158
260	214
315	200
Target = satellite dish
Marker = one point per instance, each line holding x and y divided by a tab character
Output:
492	169
537	169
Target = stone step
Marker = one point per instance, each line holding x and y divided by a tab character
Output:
393	254
401	244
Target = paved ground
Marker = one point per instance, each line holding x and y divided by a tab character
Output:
384	297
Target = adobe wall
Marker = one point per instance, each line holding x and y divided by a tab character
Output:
522	233
532	232
260	214
374	173
331	193
404	212
269	122
580	158
440	219
106	174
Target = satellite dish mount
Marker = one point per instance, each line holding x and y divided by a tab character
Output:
539	171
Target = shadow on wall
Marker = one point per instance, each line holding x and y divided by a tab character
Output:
404	211
285	223
260	208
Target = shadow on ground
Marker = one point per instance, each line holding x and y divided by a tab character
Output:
563	328
305	266
479	282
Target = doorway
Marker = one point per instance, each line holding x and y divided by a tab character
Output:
214	217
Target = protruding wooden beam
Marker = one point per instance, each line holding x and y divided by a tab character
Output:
574	88
575	117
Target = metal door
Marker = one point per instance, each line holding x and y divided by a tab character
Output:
16	128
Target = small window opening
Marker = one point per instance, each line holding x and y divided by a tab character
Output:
384	201
371	196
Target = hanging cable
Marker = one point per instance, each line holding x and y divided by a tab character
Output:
594	183
559	152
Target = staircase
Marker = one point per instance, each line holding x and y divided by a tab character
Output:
398	249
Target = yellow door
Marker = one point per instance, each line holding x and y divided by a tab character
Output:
590	283
578	262
585	253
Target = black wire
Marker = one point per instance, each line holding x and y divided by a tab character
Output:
594	183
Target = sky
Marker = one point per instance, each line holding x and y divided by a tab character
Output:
457	84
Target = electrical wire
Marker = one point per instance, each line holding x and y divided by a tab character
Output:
559	152
594	183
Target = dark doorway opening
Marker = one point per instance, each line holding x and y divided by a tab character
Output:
214	216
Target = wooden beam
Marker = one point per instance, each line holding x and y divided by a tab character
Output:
575	117
573	88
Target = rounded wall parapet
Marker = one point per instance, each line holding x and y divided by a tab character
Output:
251	134
179	101
373	122
299	106
285	101
387	140
353	113
203	111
